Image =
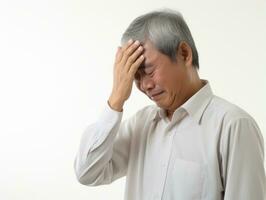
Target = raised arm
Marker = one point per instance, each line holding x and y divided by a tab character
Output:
104	148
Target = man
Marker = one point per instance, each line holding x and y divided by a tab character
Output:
191	144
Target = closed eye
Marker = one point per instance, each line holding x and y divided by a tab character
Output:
149	70
144	70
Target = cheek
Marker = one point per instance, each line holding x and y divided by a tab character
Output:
173	81
163	78
162	82
159	79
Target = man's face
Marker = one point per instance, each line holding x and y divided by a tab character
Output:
164	81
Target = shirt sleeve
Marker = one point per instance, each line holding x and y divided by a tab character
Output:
243	161
104	150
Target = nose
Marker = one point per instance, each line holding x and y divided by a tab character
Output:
146	83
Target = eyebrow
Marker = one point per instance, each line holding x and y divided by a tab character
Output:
143	65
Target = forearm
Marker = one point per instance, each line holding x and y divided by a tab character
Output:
95	149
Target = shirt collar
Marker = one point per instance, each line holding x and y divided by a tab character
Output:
194	106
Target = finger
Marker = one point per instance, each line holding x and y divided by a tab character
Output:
133	69
133	58
127	45
129	51
118	55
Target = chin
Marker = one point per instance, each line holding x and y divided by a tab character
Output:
161	105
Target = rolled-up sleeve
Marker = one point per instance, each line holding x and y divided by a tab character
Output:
243	161
104	150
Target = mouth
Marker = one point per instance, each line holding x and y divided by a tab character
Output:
156	96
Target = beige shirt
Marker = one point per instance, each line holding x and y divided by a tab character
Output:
210	150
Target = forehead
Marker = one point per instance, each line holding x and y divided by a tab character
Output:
151	54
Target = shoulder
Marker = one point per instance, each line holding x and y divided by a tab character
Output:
228	117
233	120
227	111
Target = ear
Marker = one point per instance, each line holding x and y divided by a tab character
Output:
184	53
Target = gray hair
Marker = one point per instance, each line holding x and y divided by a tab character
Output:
165	29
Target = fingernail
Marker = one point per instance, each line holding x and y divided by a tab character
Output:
137	42
130	41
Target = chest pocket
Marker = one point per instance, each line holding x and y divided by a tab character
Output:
186	180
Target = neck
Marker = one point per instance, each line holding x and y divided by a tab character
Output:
191	89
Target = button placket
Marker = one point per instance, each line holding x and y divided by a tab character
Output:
165	164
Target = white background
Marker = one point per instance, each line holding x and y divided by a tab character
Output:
56	59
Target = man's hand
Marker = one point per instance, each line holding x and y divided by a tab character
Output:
127	61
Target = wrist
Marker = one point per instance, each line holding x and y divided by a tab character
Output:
116	104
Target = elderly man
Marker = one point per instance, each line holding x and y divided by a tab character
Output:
191	144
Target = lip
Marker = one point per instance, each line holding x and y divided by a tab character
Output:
156	95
